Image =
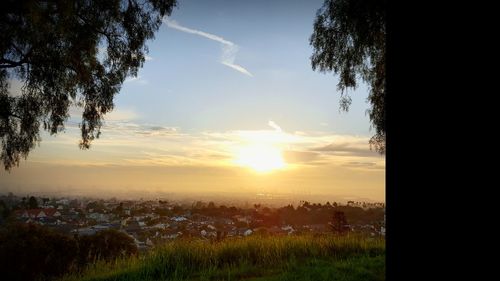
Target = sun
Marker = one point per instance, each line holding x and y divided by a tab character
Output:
260	157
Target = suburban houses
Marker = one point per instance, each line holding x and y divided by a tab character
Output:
153	222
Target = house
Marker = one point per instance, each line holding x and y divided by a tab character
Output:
52	212
84	231
99	217
178	219
225	221
63	201
171	234
38	213
244	219
317	227
160	226
133	226
289	229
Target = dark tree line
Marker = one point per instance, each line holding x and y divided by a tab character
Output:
31	252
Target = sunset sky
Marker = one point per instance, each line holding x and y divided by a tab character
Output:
227	102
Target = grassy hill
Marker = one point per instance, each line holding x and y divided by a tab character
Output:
252	258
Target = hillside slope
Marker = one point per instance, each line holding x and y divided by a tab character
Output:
252	258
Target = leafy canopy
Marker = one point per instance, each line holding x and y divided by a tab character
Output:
67	53
349	39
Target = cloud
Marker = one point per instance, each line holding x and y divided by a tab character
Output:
137	79
274	126
156	130
291	156
121	115
148	58
126	140
347	149
360	164
229	49
367	165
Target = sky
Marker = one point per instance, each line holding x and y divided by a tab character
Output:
226	103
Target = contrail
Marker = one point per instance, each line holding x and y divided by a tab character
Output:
173	24
229	49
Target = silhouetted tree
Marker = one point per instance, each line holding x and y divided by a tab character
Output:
31	252
4	211
198	205
67	53
119	209
339	223
105	245
32	203
349	39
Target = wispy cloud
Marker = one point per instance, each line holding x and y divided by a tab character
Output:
137	79
274	126
121	115
126	140
229	49
293	157
358	148
367	165
148	58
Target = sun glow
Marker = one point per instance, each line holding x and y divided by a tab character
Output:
260	157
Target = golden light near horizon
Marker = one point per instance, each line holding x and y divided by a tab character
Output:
261	158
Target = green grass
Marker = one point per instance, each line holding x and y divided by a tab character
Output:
252	258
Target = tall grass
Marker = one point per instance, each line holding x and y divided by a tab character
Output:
201	260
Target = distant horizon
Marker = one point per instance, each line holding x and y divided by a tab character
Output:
267	199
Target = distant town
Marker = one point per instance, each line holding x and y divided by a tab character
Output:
153	222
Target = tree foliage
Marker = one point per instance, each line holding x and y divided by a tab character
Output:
106	245
32	202
349	39
34	252
339	223
67	53
31	252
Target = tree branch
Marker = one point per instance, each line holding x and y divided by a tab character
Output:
86	22
6	63
15	115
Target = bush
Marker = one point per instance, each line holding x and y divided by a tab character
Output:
105	245
30	252
33	252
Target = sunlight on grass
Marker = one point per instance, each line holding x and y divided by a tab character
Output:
254	257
